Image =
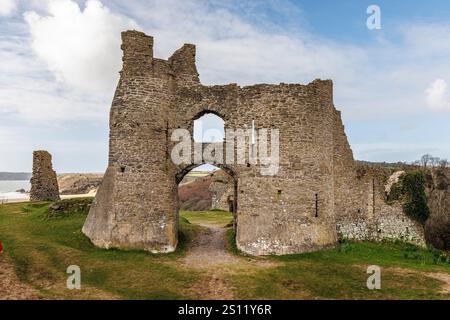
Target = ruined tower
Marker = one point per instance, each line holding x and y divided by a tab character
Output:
44	184
295	210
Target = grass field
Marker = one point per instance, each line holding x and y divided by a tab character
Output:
216	217
198	173
41	248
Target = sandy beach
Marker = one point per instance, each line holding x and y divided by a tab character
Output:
92	193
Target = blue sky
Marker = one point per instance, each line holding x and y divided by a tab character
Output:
60	61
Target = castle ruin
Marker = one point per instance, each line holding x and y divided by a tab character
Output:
44	184
222	192
318	195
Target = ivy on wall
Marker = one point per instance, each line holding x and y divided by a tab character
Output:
415	200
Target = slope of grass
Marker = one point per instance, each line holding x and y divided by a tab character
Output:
216	217
42	248
317	280
341	273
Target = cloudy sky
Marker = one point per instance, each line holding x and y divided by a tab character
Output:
59	63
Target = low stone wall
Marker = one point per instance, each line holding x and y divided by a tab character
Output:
380	221
393	224
70	206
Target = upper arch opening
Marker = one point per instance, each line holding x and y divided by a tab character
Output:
208	128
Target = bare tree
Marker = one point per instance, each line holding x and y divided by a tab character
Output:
444	164
417	163
425	160
434	161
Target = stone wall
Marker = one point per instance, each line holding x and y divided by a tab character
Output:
44	184
222	191
297	210
365	214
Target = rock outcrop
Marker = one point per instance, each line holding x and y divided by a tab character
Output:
79	183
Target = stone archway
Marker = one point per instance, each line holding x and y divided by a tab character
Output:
227	168
234	180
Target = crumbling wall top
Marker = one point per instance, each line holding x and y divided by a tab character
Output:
183	62
137	50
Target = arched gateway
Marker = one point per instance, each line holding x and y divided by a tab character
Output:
314	196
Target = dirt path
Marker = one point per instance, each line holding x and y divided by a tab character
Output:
441	276
444	277
209	254
11	288
209	249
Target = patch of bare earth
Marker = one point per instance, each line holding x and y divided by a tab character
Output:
11	288
209	249
209	254
441	276
444	277
60	291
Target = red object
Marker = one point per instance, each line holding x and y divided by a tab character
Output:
1	247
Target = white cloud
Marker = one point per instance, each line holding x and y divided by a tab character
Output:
81	47
7	7
29	93
437	96
382	77
232	48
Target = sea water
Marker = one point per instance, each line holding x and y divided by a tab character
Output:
8	190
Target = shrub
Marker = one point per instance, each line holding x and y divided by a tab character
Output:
345	245
437	232
411	252
439	256
442	182
415	205
428	179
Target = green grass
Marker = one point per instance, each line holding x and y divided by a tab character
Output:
198	174
216	217
41	248
310	279
231	243
340	273
382	254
